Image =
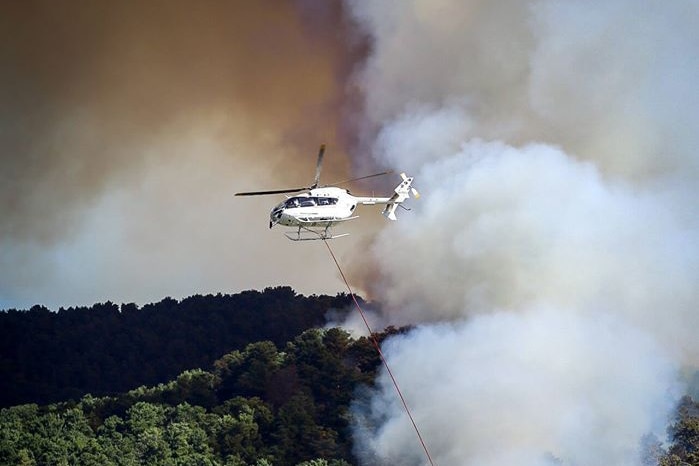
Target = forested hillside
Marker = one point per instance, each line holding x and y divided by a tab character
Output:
282	399
258	406
106	348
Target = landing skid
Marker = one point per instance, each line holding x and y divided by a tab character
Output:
308	234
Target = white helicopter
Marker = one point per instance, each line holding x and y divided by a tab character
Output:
315	209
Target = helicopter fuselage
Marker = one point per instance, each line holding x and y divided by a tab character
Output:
320	207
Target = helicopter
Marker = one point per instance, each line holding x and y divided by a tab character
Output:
315	209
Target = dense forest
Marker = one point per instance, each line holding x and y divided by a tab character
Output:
275	401
50	356
258	406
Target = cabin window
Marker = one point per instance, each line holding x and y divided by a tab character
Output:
307	201
327	201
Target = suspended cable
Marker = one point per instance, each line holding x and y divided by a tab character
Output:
378	350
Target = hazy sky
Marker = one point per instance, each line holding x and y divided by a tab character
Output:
125	128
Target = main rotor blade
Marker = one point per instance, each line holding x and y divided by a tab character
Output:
365	177
276	191
319	165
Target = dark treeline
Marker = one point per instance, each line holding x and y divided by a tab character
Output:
260	406
50	356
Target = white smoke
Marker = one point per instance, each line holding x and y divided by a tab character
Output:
520	389
558	234
506	228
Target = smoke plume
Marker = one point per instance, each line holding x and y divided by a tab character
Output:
550	267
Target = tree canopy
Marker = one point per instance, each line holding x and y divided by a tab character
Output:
255	406
107	348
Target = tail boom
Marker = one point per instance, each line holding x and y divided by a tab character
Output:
401	193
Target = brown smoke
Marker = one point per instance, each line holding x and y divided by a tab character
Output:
86	83
101	97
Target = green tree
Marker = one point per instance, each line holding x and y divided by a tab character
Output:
298	436
116	443
188	433
146	423
261	361
197	387
55	437
241	429
684	434
18	439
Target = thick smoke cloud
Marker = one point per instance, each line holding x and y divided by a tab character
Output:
519	69
525	226
524	389
550	266
127	126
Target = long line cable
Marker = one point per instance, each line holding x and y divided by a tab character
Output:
378	350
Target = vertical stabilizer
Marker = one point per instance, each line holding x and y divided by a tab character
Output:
402	192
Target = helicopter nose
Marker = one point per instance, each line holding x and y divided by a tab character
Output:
274	217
